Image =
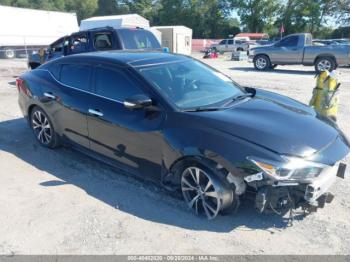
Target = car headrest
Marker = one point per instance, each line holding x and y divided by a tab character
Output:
102	43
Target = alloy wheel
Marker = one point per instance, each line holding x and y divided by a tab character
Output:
200	192
324	65
261	63
42	127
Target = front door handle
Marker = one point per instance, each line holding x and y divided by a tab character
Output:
95	112
49	95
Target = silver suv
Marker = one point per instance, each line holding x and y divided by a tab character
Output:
230	45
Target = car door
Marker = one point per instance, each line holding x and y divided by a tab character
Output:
78	43
287	51
56	50
221	46
69	97
132	137
230	47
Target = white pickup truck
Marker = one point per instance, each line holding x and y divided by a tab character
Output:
230	45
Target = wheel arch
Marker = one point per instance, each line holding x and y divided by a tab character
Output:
262	54
210	159
325	55
30	109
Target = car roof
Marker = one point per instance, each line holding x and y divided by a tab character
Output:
126	58
107	28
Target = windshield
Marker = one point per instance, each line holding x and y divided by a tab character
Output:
138	39
191	84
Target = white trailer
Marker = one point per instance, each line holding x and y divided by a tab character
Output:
177	38
115	21
119	21
24	30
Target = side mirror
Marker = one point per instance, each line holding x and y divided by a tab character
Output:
166	50
138	102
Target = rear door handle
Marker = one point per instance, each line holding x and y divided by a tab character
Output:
49	95
95	112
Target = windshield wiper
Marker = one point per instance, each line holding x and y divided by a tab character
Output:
201	109
240	97
237	98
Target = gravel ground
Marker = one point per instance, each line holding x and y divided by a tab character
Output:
62	202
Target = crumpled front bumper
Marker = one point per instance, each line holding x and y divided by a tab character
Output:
309	195
319	187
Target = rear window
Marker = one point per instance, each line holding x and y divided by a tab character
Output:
76	75
138	39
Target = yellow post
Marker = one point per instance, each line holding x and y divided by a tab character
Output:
325	98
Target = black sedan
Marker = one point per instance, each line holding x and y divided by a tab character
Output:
172	118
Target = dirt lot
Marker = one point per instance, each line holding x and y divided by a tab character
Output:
62	202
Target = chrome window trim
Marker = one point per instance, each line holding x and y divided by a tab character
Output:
78	88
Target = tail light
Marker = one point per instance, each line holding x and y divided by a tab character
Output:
21	87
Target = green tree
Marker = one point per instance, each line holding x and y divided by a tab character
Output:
207	18
342	11
112	7
256	15
83	8
306	15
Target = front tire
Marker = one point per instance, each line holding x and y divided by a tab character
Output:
43	129
204	191
325	63
261	62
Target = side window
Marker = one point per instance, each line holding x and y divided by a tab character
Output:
76	75
222	42
230	42
114	84
138	39
57	47
79	44
103	41
290	41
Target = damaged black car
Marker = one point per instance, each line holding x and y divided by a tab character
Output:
194	129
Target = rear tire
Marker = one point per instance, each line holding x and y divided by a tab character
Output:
261	62
43	129
325	63
8	53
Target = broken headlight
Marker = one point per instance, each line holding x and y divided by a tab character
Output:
292	168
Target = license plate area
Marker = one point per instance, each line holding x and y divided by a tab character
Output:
321	185
341	170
